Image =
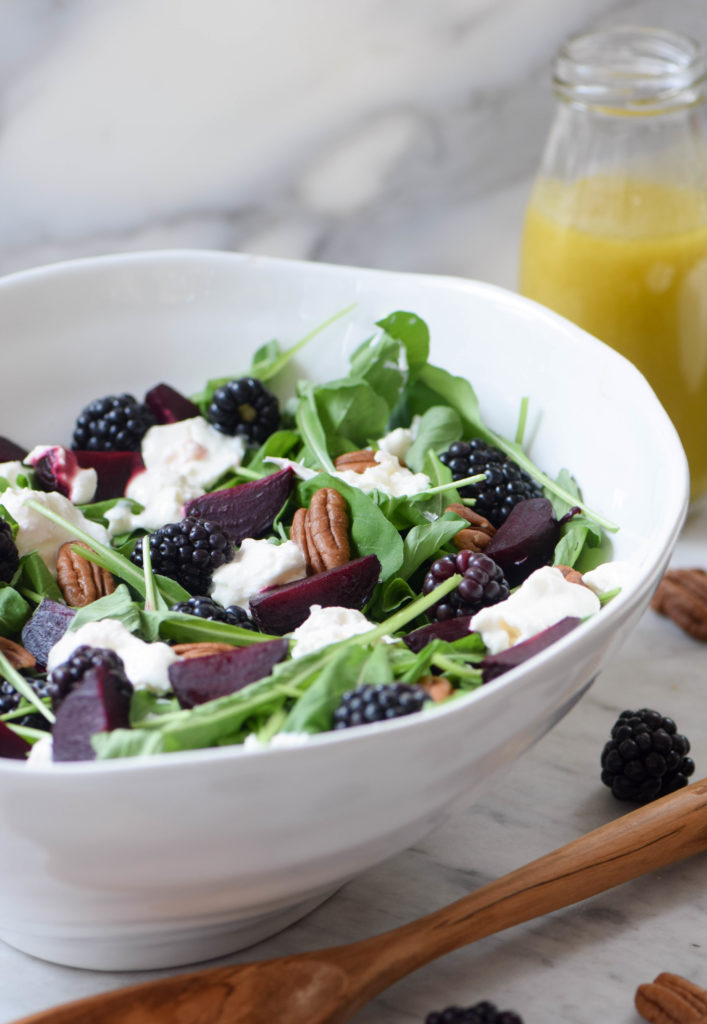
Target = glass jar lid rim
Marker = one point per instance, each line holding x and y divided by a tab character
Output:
629	63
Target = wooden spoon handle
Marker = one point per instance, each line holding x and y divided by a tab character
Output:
668	830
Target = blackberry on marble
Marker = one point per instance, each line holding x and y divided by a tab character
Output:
505	485
646	757
481	1013
483	584
67	676
9	556
111	424
188	551
378	703
206	608
244	407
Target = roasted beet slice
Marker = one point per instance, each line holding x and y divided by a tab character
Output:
12	745
281	609
526	540
168	405
46	627
247	510
11	452
196	680
114	469
496	664
99	703
448	629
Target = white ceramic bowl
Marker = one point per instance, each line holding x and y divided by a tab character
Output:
152	863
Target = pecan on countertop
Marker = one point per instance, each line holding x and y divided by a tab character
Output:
682	597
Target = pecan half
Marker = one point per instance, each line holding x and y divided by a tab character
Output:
671	999
322	531
571	575
358	461
16	654
438	687
682	596
81	582
201	649
476	536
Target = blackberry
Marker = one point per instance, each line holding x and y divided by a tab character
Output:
207	608
10	699
483	584
9	557
188	552
480	1013
244	407
111	424
645	757
505	485
70	673
369	703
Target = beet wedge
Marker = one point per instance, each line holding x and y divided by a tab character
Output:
247	510
526	540
168	405
98	704
114	469
448	629
494	665
278	610
45	628
197	680
12	745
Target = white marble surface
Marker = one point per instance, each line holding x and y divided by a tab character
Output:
403	135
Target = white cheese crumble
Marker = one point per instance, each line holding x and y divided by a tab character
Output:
257	564
326	626
182	460
298	468
37	533
398	442
280	739
609	576
82	482
146	664
11	470
41	753
386	476
542	600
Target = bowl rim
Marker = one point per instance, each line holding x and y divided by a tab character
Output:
594	630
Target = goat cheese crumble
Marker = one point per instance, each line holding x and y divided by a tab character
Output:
326	626
256	565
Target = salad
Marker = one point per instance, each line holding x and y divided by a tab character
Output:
230	568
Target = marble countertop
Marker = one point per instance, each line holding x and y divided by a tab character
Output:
401	135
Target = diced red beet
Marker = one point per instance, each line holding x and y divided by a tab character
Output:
447	629
57	469
196	680
12	745
278	610
247	510
45	628
168	405
114	469
495	665
526	540
98	704
11	452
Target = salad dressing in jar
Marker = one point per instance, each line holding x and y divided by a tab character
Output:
615	236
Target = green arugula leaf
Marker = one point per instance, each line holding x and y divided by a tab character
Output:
439	427
34	577
14	610
377	362
413	333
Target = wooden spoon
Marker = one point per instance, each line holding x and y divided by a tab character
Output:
329	986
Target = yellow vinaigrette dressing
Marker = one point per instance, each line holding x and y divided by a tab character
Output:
627	260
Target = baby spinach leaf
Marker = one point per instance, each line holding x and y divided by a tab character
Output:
316	451
278	445
422	543
377	362
578	532
413	333
439	427
313	711
119	606
35	577
14	610
350	410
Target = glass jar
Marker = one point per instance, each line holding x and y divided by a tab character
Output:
615	235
